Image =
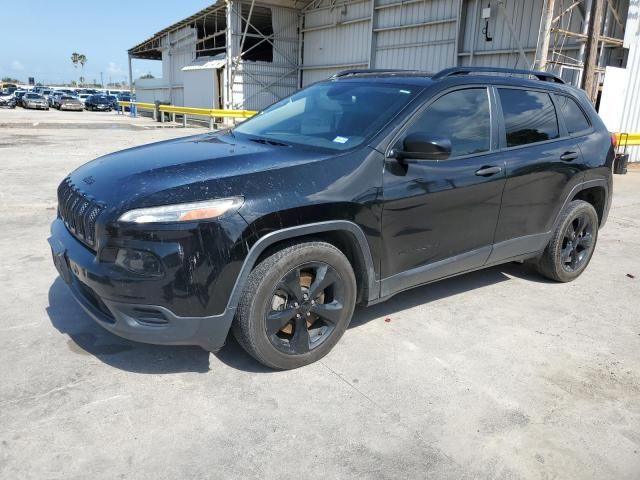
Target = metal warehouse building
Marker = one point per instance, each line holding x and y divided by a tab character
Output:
243	54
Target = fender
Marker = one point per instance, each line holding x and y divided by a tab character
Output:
598	182
264	242
214	329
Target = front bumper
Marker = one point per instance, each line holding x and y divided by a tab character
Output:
154	324
77	108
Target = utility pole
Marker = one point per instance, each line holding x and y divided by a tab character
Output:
101	81
547	19
589	81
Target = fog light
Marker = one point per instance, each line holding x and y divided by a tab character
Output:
139	261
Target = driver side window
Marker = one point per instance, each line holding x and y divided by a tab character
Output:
462	117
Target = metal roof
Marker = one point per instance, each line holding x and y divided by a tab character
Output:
148	49
204	63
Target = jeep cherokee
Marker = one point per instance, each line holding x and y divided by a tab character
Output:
347	192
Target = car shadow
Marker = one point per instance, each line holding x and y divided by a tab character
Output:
445	288
86	337
234	356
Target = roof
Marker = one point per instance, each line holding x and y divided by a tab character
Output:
149	48
207	63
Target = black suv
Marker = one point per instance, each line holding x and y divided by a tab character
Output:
98	102
348	192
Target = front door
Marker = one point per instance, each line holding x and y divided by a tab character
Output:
439	216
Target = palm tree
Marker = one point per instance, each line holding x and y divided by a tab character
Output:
79	58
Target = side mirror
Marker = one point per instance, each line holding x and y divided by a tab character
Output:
423	146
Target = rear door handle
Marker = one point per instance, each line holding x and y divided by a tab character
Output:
568	156
488	171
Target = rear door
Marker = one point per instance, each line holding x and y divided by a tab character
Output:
439	216
543	163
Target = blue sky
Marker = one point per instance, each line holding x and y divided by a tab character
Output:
42	35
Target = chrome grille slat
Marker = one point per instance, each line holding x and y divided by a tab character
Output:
78	211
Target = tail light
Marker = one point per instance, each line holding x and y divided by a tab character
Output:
614	140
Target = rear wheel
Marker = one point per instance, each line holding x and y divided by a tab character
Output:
296	305
571	247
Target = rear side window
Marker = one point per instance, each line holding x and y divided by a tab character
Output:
461	116
529	116
574	117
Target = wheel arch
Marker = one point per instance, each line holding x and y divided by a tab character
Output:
595	195
589	189
343	234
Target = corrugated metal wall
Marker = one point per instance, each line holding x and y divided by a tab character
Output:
421	34
258	84
335	39
415	35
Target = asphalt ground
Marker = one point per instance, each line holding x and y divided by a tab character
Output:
494	374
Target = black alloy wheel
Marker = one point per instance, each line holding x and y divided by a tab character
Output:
306	305
572	243
296	305
577	243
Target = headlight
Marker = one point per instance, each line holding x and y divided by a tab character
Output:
183	212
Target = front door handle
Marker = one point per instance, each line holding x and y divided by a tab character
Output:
488	171
568	156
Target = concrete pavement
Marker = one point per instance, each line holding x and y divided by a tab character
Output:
495	374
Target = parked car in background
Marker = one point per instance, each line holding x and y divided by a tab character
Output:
69	102
35	100
46	93
7	99
83	97
18	94
98	103
114	101
54	98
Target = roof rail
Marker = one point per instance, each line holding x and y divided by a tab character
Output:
347	73
451	72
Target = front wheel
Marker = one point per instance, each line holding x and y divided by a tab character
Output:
296	305
572	244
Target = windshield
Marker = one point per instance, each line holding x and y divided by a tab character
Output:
337	115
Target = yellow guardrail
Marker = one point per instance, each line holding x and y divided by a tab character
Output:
139	105
633	139
204	112
207	112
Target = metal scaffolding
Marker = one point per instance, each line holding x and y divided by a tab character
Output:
596	26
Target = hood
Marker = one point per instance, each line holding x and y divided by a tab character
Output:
183	170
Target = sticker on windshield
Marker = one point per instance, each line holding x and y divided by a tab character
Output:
341	139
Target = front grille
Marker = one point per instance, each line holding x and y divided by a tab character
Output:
79	212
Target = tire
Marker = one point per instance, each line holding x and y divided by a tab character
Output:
572	244
283	328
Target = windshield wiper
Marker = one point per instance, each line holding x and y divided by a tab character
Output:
266	141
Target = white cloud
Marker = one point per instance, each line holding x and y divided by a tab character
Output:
17	66
114	69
